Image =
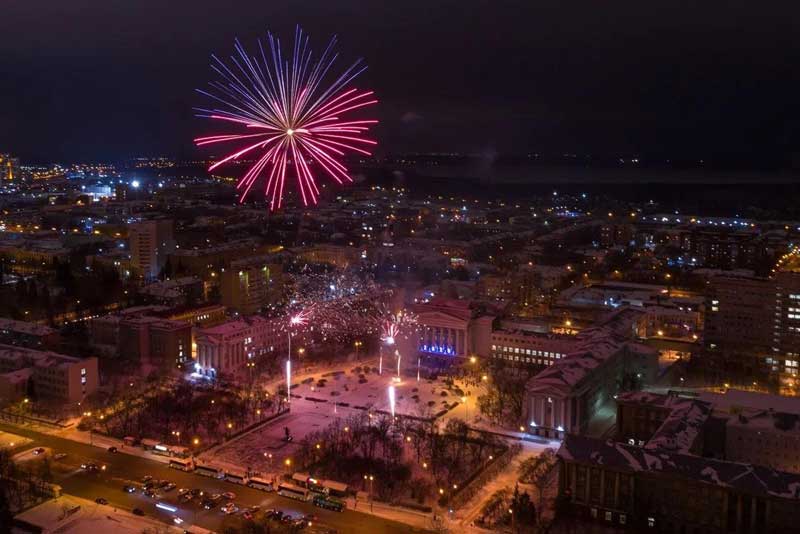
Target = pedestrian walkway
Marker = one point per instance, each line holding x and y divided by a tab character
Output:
104	442
402	515
507	478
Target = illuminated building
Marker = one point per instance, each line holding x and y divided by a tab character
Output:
448	327
564	396
155	340
752	327
150	243
227	348
55	376
247	285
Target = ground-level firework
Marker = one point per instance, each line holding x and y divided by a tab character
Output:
292	112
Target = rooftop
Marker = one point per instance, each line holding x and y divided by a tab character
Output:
23	327
752	479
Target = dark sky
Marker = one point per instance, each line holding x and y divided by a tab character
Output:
107	79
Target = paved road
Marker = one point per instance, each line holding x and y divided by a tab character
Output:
123	469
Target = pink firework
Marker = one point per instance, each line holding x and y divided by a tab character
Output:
293	117
300	318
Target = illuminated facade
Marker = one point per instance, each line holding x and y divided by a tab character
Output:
227	348
452	328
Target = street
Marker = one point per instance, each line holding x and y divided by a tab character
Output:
121	469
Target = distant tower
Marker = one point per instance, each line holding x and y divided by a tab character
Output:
8	167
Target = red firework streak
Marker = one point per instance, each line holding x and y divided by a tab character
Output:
292	116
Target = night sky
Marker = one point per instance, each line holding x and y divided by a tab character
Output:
108	79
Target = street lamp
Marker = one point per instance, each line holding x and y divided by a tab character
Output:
370	478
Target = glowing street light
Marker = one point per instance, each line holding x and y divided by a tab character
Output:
371	479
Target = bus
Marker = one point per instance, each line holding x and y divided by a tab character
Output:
208	471
329	503
262	484
327	487
293	492
237	477
184	464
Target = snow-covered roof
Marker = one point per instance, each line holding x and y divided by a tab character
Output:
747	478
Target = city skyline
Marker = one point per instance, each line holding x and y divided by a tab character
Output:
536	270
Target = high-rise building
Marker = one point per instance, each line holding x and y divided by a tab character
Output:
149	243
752	327
248	285
785	357
737	327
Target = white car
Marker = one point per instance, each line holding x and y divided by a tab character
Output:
230	508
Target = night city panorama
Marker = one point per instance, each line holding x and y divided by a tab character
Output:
395	267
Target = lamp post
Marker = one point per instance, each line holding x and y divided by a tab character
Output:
370	478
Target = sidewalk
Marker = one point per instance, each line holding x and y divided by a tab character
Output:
86	517
505	479
401	515
104	442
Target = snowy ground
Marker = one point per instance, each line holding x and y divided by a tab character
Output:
12	441
315	405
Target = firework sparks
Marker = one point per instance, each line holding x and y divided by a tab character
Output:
292	114
395	323
300	318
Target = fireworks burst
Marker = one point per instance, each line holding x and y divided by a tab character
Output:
293	115
394	323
